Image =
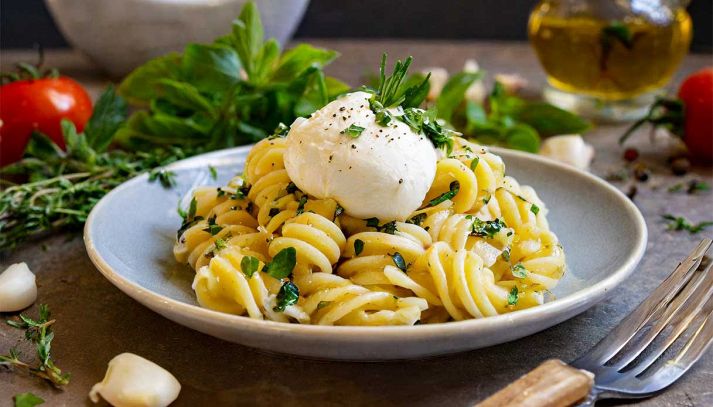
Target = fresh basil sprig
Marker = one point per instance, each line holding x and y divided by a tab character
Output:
234	91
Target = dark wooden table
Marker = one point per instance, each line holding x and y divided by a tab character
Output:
95	321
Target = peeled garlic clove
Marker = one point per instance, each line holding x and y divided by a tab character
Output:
17	288
476	91
438	79
132	381
569	149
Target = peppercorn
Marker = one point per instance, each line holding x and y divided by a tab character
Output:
680	166
641	173
631	154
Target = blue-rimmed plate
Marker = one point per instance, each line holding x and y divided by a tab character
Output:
130	233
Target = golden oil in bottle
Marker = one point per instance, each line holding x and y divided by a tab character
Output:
609	60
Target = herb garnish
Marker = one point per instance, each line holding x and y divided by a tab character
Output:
692	187
681	223
291	188
213	228
213	172
289	294
389	227
372	222
399	261
323	304
40	333
27	400
487	228
513	296
454	188
534	209
506	254
249	265
282	264
417	219
474	163
519	270
301	205
338	211
353	131
165	177
358	246
220	244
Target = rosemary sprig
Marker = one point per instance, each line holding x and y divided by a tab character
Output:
40	333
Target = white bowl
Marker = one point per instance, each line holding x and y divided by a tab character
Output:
120	35
129	236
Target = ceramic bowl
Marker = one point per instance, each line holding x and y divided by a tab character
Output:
120	35
130	233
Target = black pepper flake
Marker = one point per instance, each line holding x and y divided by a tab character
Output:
354	146
334	115
401	180
341	109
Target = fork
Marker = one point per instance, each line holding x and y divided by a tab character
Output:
645	353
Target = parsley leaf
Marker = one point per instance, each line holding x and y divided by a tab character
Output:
454	188
534	209
165	177
353	131
27	400
358	246
399	261
488	228
678	223
513	296
213	172
301	205
519	271
288	295
249	265
282	264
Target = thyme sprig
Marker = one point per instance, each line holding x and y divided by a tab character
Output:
40	333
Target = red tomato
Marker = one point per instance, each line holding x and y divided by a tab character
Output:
39	104
696	92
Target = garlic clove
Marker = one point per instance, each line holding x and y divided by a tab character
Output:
132	381
570	149
18	289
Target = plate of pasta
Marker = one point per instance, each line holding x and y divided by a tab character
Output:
364	232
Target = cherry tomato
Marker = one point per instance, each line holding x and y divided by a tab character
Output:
696	93
39	104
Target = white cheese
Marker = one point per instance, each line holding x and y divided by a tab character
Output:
132	381
18	289
384	172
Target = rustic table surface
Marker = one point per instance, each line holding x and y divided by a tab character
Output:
95	321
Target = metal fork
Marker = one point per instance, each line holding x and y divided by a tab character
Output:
675	322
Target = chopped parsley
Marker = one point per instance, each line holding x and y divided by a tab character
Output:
506	254
288	295
454	188
513	296
338	211
418	219
291	188
372	222
353	131
692	187
282	264
474	163
358	246
535	209
301	205
488	228
323	304
213	228
165	177
399	261
519	271
213	172
220	244
249	265
678	223
389	227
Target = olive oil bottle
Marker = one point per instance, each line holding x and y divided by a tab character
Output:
609	50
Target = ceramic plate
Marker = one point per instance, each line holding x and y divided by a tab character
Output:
130	233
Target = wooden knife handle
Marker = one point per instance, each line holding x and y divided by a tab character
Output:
552	384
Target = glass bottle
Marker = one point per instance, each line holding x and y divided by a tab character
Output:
608	59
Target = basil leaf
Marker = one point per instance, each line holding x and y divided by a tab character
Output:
549	120
453	93
184	95
140	86
210	68
523	137
295	61
248	36
109	114
249	265
312	92
335	87
27	400
289	294
283	263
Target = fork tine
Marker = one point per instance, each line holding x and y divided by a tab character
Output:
652	305
699	304
695	347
